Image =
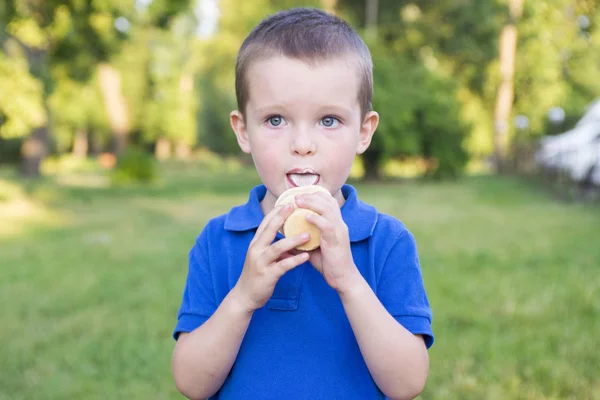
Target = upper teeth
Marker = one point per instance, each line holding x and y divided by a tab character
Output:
304	179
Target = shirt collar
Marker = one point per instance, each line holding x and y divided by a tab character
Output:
358	216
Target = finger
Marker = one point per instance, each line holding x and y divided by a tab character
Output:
285	245
319	203
285	254
270	215
326	227
289	263
268	233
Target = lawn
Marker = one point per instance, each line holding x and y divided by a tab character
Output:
91	279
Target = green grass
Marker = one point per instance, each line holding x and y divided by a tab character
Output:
91	280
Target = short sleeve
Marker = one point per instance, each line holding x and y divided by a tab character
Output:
199	301
401	289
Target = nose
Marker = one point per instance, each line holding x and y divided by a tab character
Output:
302	143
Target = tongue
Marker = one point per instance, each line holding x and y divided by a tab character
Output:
304	179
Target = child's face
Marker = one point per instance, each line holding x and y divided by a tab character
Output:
302	123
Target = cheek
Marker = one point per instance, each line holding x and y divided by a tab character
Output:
266	163
342	158
267	155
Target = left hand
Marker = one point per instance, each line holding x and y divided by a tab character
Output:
333	259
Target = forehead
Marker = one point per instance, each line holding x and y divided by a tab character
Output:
286	81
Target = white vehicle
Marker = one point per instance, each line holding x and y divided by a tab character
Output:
575	152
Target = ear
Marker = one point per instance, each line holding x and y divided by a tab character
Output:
367	129
236	119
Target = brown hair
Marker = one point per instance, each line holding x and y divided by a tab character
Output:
307	34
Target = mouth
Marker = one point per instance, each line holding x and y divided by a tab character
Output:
297	178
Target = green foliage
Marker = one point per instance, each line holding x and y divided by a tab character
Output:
216	78
171	104
451	40
133	64
63	43
419	113
76	106
215	105
557	60
157	68
21	105
436	70
134	166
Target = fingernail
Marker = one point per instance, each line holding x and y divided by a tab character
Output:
305	236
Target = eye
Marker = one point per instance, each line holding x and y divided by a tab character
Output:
329	122
275	120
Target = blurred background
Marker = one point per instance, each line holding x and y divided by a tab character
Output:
115	150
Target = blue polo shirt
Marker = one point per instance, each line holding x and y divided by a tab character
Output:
300	345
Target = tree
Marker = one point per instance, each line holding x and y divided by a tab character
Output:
426	72
169	114
558	55
504	100
50	33
77	107
419	114
21	102
77	39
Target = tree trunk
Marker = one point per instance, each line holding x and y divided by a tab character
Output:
35	148
505	95
371	12
371	165
80	144
162	149
33	151
115	104
94	143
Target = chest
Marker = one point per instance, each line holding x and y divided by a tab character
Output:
300	284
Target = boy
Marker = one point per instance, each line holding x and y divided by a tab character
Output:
259	320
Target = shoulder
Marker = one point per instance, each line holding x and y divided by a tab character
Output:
213	234
214	228
230	228
391	236
217	225
388	231
389	227
216	245
365	221
389	239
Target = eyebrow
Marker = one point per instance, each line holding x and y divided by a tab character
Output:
268	108
337	109
279	107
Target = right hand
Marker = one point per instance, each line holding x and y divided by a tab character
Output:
266	261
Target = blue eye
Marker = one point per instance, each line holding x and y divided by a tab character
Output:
329	122
275	120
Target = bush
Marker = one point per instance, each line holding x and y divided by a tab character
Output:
134	166
419	112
